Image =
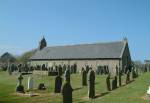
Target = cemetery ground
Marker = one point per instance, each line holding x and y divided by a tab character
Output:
131	93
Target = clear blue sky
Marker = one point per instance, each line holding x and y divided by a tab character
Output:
24	22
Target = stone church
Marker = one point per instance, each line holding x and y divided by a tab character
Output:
110	54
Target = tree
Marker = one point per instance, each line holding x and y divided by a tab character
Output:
24	58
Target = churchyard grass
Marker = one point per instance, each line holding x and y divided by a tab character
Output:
131	93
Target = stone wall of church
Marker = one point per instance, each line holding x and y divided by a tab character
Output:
81	63
126	58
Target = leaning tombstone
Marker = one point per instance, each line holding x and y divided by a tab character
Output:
91	84
20	88
84	78
67	93
108	83
30	83
58	84
67	75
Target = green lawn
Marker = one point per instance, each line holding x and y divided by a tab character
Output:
131	93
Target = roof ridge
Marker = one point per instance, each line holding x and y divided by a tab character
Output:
96	43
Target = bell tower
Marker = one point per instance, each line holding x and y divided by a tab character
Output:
42	43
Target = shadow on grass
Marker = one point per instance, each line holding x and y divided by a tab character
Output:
77	88
96	83
101	95
127	83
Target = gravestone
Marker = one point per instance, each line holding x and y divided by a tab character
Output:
58	84
117	69
75	68
125	69
44	67
91	84
127	77
84	78
114	83
67	93
148	91
64	68
60	70
87	68
98	70
72	69
120	74
67	75
20	88
108	83
30	83
134	74
9	69
41	86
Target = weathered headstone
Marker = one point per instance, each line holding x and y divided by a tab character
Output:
117	70
107	69
87	68
120	82
98	70
134	74
64	68
108	83
44	67
41	86
125	69
67	93
60	70
20	88
84	78
67	75
114	83
30	83
9	69
148	91
127	77
91	84
58	84
72	69
75	68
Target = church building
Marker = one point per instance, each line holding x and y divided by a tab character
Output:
110	54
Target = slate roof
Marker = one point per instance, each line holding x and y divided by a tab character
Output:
7	57
108	50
